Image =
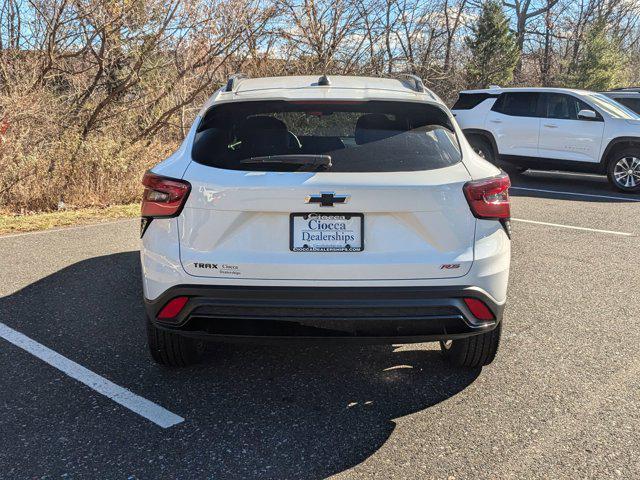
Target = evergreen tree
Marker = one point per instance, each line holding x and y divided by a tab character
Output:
493	49
601	62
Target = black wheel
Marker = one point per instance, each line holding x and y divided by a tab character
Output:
172	350
623	170
482	147
473	352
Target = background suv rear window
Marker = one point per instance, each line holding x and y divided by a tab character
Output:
467	101
358	136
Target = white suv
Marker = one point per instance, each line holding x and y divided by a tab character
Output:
341	208
554	129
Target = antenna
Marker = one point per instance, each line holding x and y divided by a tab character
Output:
323	81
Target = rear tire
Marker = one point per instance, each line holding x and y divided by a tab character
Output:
172	350
623	170
473	352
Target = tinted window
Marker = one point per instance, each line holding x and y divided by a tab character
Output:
358	136
632	103
564	107
467	101
517	104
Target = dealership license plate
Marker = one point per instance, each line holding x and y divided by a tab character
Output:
319	232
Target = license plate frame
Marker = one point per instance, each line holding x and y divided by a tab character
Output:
352	249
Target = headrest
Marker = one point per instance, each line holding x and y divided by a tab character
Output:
373	127
264	135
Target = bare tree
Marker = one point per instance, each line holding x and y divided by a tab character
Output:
453	20
92	91
524	11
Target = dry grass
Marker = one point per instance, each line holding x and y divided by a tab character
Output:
10	223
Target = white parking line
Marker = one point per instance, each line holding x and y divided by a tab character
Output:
577	194
612	232
143	407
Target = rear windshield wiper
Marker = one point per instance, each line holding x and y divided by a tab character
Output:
294	159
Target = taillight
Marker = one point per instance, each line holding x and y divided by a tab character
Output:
489	198
163	197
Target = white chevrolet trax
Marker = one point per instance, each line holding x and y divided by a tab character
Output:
325	208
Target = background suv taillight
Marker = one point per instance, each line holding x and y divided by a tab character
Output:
489	197
163	197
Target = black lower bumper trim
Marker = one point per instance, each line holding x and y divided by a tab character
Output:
374	314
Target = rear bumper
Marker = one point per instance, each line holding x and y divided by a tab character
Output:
369	314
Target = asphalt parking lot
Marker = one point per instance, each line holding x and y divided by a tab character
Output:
562	399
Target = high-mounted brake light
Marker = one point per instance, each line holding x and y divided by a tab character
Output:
163	197
489	198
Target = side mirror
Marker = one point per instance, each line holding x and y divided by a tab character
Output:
587	114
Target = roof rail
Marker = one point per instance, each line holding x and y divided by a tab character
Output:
232	83
625	89
417	86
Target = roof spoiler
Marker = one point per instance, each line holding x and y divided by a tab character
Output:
415	83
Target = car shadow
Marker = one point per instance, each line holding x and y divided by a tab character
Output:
567	186
251	411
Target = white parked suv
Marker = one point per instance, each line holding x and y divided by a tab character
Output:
341	208
554	129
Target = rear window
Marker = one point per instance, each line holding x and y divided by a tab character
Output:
357	136
467	101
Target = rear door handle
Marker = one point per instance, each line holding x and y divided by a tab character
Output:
495	121
548	125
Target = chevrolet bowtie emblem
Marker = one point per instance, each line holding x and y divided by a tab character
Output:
326	199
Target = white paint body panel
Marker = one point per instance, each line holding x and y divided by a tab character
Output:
414	222
514	135
572	140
